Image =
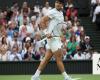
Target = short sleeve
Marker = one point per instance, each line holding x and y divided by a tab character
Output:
51	14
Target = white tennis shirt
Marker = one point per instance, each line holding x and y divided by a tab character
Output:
56	17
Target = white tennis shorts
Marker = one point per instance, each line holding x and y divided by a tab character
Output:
54	44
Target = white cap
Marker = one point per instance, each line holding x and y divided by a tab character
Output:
71	5
87	37
9	22
28	39
33	18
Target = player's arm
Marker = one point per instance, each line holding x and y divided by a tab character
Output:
44	22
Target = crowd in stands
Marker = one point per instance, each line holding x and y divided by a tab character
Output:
20	34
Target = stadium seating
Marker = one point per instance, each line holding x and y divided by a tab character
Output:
90	29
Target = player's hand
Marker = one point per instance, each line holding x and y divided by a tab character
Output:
48	36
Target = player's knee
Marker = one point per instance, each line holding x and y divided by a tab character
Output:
45	59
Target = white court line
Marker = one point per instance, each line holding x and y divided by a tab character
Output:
76	78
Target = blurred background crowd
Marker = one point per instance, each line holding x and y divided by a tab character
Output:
20	33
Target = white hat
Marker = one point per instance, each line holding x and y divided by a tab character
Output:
9	22
87	37
33	18
71	5
28	39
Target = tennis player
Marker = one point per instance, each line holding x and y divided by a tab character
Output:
54	44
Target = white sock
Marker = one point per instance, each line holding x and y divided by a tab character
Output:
37	73
65	75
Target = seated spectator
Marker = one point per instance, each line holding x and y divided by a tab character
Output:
32	25
79	56
37	7
15	55
68	35
79	30
25	8
15	14
72	47
36	42
88	54
86	44
28	38
46	9
68	22
23	16
16	40
11	28
71	13
66	5
42	52
4	50
23	29
3	21
4	35
82	36
15	5
25	48
28	55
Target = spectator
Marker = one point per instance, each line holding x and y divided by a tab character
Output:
29	54
93	6
3	21
14	16
71	12
82	36
12	27
88	54
37	7
33	26
25	48
68	22
16	40
79	56
79	30
72	46
86	44
4	50
69	2
37	44
46	8
25	8
66	5
23	29
27	39
96	17
42	52
24	15
5	39
14	55
15	5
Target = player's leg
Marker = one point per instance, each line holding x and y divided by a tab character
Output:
58	56
42	65
46	59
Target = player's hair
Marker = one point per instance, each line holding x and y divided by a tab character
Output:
61	1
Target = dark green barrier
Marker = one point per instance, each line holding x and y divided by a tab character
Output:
72	67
